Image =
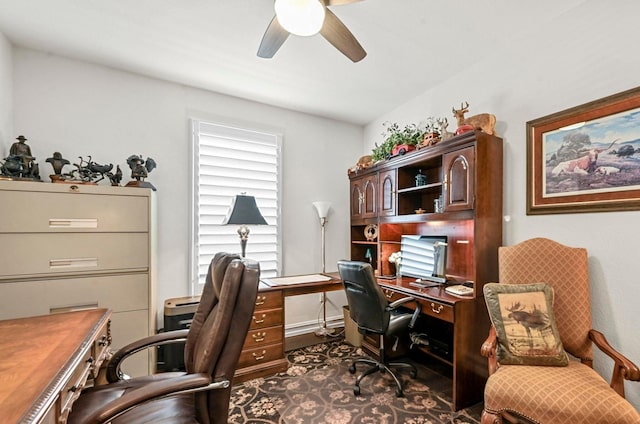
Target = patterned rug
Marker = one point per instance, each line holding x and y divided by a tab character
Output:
318	388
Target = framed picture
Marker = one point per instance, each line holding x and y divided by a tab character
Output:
587	158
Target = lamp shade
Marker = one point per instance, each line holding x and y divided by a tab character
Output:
300	17
244	210
322	208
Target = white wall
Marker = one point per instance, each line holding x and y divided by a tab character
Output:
579	57
82	109
6	98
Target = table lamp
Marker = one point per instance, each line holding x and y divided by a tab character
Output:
323	211
243	212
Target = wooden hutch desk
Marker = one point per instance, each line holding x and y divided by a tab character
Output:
464	174
46	361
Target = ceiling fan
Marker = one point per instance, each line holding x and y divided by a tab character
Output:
308	17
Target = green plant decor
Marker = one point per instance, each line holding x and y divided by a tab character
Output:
394	136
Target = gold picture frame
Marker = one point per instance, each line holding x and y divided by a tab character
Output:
586	158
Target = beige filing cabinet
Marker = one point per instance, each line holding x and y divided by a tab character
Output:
73	246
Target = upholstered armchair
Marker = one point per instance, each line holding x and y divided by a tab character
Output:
212	349
572	393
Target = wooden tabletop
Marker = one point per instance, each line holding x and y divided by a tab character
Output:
36	354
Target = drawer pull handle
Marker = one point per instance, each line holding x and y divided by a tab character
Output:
73	223
259	357
103	341
436	310
259	321
261	300
73	263
90	360
388	294
259	337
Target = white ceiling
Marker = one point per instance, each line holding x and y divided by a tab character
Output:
412	45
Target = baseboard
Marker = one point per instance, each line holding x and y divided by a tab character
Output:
306	327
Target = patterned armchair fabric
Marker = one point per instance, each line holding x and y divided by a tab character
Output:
549	395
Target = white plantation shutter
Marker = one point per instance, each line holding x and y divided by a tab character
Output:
229	161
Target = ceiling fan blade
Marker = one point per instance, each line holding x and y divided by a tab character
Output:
272	39
339	2
341	38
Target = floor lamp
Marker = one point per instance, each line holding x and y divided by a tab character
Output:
323	212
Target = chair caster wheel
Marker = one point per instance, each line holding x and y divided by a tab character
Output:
356	390
399	393
352	368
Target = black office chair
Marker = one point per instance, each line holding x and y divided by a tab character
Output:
372	312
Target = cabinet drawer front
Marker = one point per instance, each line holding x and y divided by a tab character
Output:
263	337
437	310
32	255
127	327
269	300
72	212
267	318
29	298
260	355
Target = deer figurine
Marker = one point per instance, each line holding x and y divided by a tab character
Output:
483	121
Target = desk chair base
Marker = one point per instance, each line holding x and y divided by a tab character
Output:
380	366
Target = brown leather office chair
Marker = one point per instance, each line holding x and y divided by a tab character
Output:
213	346
557	394
372	312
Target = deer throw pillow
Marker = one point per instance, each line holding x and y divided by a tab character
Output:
522	315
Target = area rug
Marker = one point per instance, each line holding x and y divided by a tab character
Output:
318	388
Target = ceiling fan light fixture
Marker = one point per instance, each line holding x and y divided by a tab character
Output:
300	17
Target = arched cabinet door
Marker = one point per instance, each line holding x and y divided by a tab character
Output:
387	183
364	193
459	168
357	198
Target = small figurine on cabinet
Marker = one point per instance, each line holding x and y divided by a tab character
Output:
115	178
140	169
20	164
88	171
421	179
484	121
57	162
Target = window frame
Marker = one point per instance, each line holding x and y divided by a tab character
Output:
195	288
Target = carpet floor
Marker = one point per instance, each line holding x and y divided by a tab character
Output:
318	388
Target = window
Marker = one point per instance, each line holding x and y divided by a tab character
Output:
229	161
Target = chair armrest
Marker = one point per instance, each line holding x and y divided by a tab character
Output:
489	350
623	368
162	388
399	302
113	372
416	312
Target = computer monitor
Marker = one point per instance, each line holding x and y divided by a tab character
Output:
424	257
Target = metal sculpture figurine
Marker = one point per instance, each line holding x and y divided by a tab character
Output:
57	162
20	164
140	169
89	172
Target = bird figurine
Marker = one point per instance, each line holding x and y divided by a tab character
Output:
140	169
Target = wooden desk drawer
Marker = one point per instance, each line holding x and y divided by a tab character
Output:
100	348
34	255
437	310
76	383
251	357
73	212
263	337
269	300
267	318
